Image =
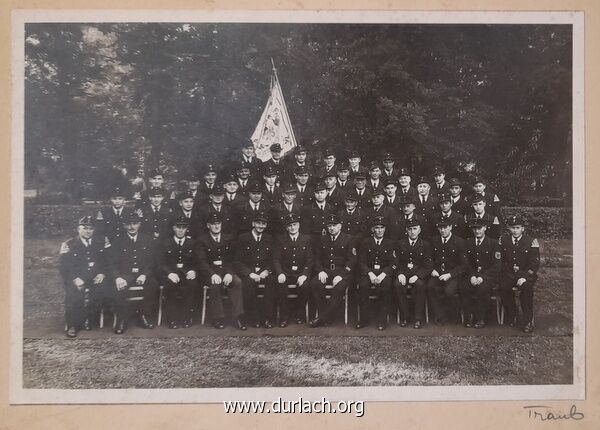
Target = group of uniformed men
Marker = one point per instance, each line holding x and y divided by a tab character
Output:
267	227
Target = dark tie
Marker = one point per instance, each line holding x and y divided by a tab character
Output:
180	242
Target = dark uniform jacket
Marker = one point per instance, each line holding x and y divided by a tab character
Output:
414	260
395	203
428	208
521	260
364	200
426	231
313	219
483	260
236	199
336	198
435	190
491	221
306	197
385	175
215	258
168	200
195	227
279	212
84	262
173	258
245	215
290	167
372	186
255	164
461	205
243	189
110	224
355	223
156	224
361	169
411	192
229	224
492	203
279	168
322	171
389	214
449	257
459	226
345	186
338	256
252	255
293	258
272	198
129	259
377	258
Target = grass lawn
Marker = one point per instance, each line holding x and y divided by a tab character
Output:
491	356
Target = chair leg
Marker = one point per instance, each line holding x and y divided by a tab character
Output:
114	321
204	294
427	311
101	318
306	308
160	305
346	307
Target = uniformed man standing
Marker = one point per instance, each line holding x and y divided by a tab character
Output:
284	208
229	224
391	198
248	158
216	252
388	213
408	214
446	213
483	265
109	220
275	163
459	203
353	219
299	160
233	197
389	172
343	172
329	166
439	178
405	189
304	193
132	269
335	261
449	266
479	211
156	216
243	174
491	200
520	263
210	180
189	209
254	266
335	196
354	164
83	267
376	263
292	263
375	183
414	268
426	203
313	215
360	191
253	205
271	190
176	268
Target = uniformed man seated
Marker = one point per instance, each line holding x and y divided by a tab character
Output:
254	266
414	269
335	260
132	269
449	265
292	263
83	267
376	263
483	263
216	252
520	263
176	268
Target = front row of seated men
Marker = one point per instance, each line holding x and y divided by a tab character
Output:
448	270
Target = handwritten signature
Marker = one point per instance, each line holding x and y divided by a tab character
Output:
543	414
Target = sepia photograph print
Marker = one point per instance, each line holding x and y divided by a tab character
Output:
211	206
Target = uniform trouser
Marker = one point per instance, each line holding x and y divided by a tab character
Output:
507	282
439	291
475	299
135	298
249	292
327	308
383	301
234	289
83	304
284	302
418	293
179	297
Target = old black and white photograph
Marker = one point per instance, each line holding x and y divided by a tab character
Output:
326	201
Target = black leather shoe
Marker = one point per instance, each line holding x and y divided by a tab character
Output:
381	326
479	324
403	323
417	324
300	320
468	322
218	324
121	327
283	324
513	322
241	323
86	325
268	324
528	328
173	325
257	324
359	325
71	332
187	323
144	323
317	322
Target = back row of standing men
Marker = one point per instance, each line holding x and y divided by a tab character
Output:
282	193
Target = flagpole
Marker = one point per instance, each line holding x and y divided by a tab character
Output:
284	103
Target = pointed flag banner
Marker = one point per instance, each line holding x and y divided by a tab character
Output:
274	125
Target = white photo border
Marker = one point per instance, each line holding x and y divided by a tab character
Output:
20	395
